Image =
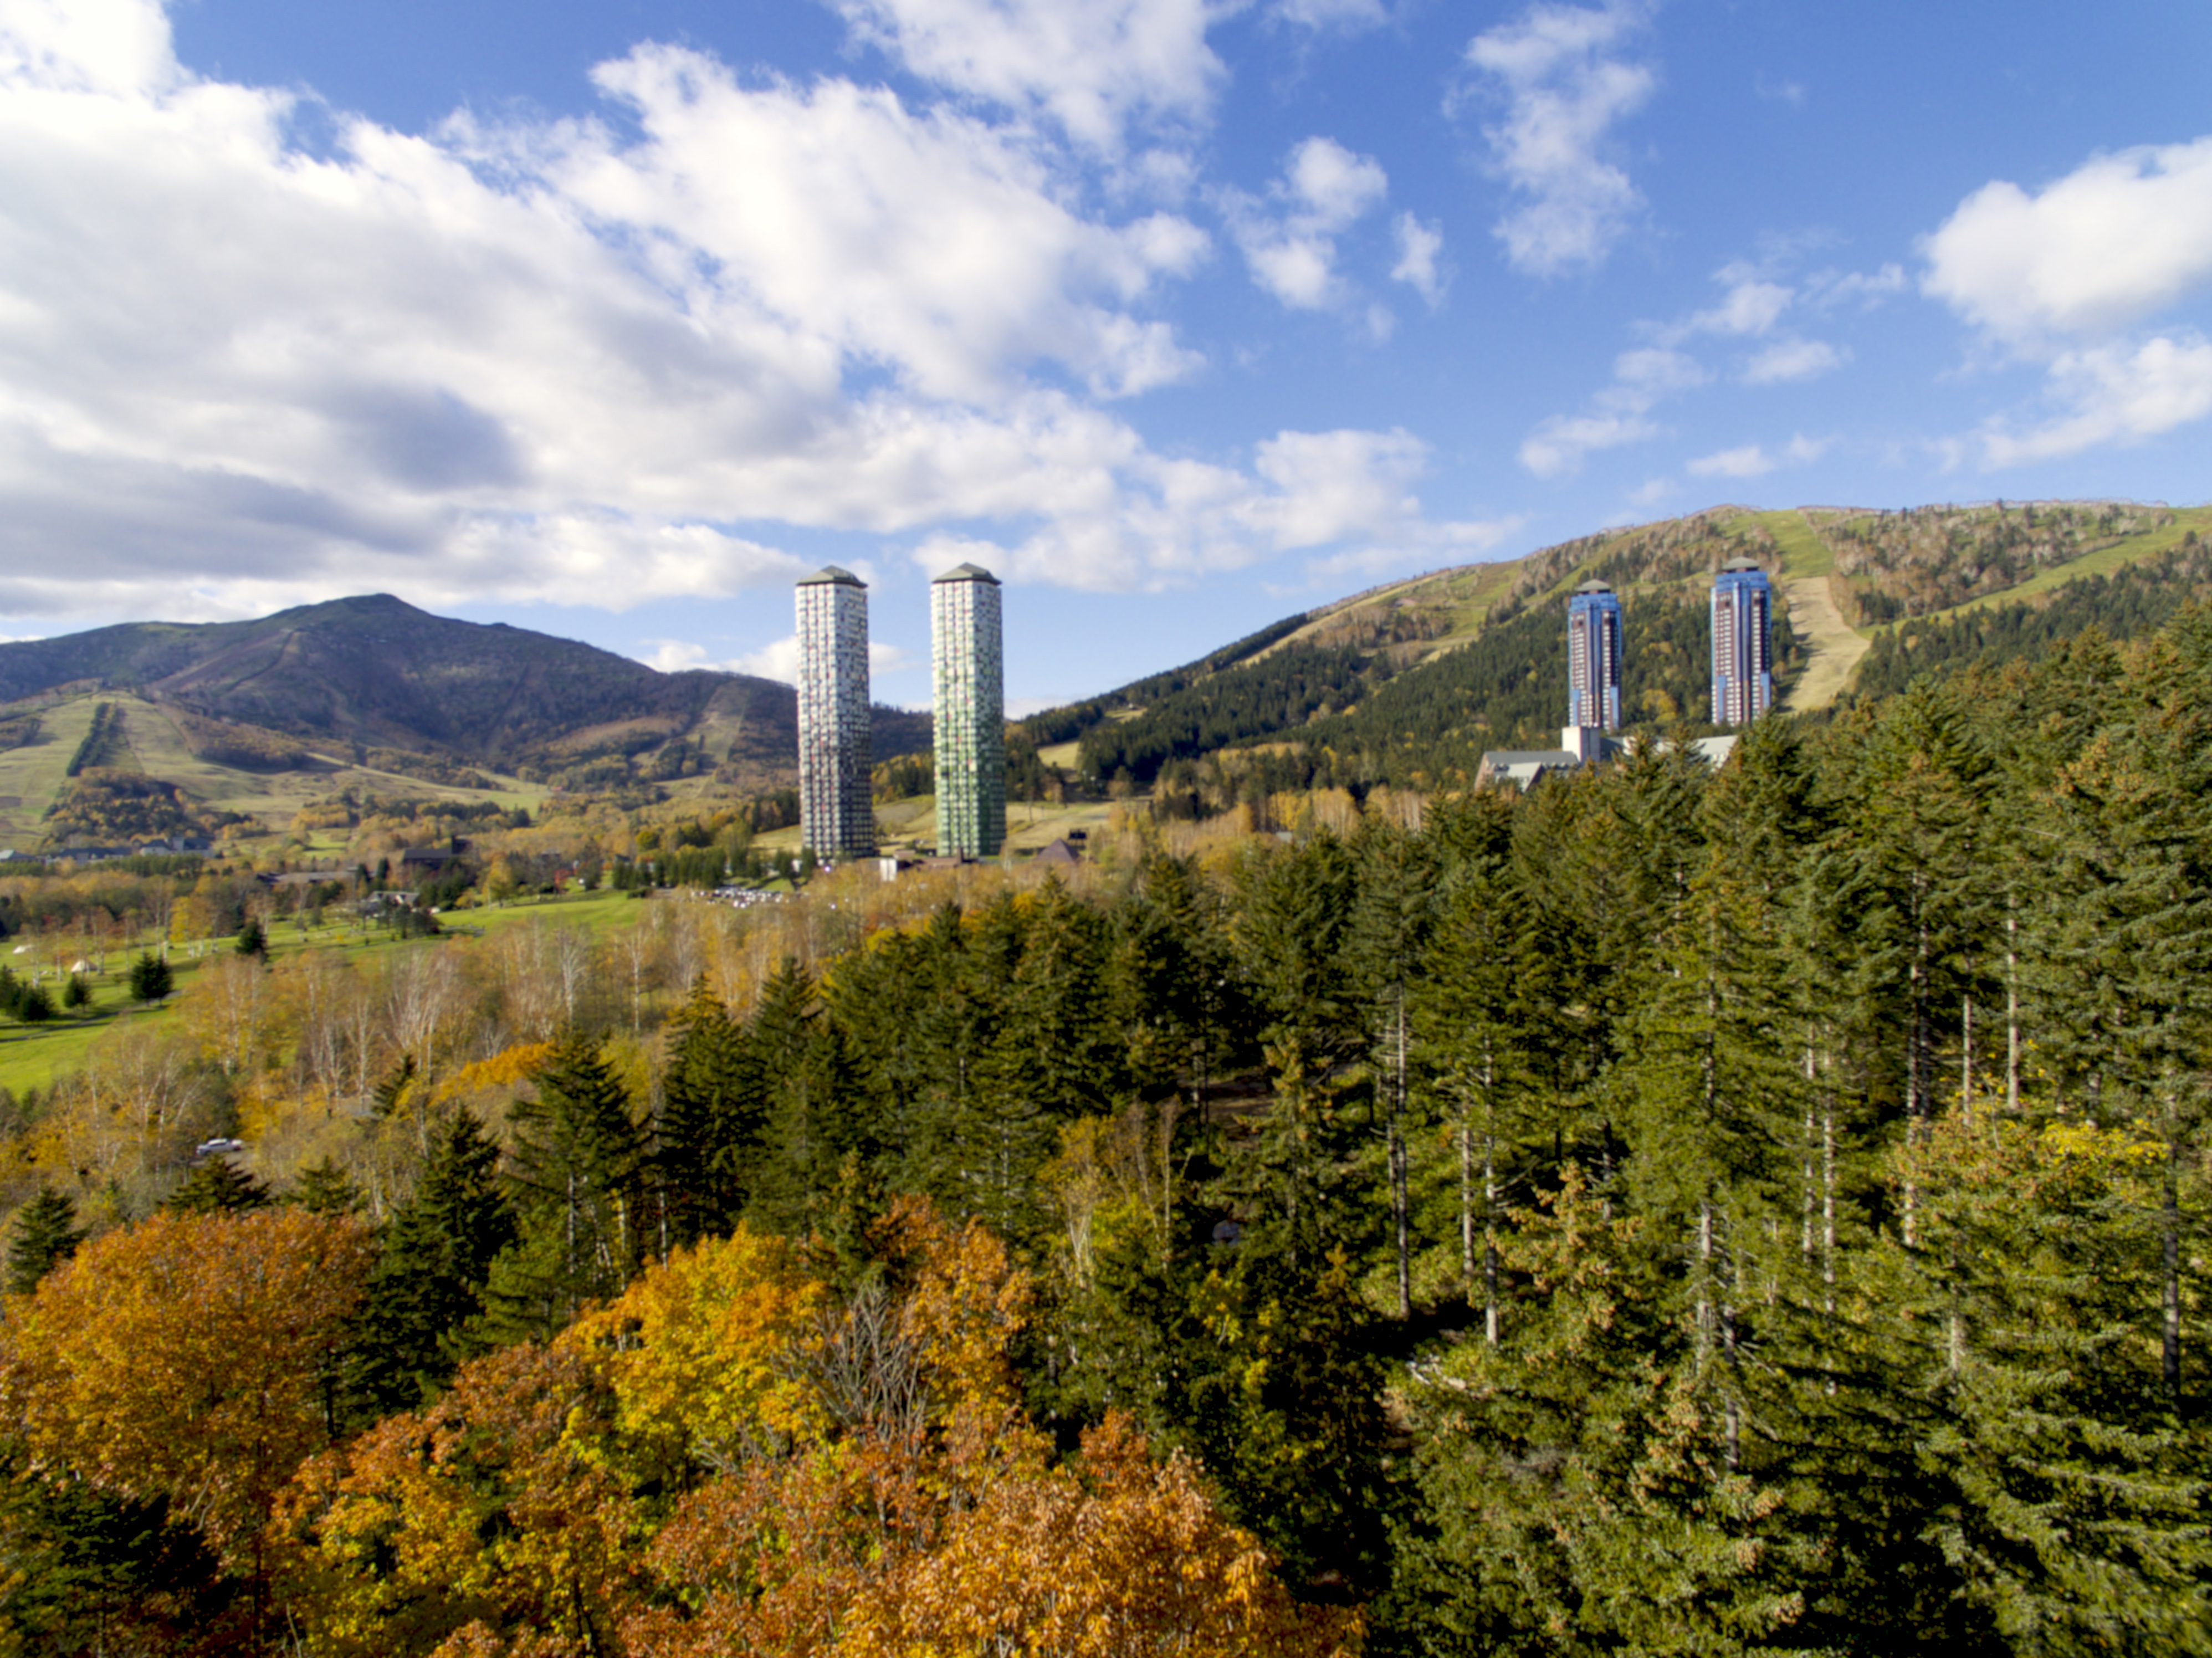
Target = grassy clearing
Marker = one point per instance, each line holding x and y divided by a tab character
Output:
31	777
1804	554
35	1055
1030	827
599	914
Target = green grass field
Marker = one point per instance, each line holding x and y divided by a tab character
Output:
36	1055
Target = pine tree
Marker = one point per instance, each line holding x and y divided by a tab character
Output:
324	1188
435	1259
1484	1016
1919	883
150	978
76	993
579	1171
711	1120
1576	1499
46	1233
217	1186
253	940
2067	1495
1391	923
810	1096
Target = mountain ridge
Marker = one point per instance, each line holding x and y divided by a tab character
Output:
372	671
1411	681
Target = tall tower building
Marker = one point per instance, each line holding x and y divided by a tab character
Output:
1593	659
968	678
1743	676
837	811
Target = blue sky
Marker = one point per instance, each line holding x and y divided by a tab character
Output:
611	319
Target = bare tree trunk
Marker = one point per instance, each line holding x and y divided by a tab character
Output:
1489	1238
2012	1008
1806	1180
1916	1074
1966	1060
1734	1407
1705	1280
1466	1192
1400	1196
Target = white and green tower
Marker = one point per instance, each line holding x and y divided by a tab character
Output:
836	809
968	678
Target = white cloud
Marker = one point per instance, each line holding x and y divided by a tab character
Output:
779	660
933	243
115	46
2113	396
1563	81
1093	67
2115	241
676	655
1749	462
1868	288
1794	360
1652	491
1334	486
1419	248
1349	490
1642	379
1559	443
1324	191
1752	460
2062	277
1752	307
592	361
1752	304
1323	16
548	361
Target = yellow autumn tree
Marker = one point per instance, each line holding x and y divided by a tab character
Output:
501	1506
699	1351
187	1357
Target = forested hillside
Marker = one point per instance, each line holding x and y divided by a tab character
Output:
1668	1211
1409	685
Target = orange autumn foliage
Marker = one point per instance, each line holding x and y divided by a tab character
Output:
187	1357
980	1549
1112	1556
723	1460
968	1301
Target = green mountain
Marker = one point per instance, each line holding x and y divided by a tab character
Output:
376	672
1409	683
371	692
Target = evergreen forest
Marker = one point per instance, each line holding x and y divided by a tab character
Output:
1672	1210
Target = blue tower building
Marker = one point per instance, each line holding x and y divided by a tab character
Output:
1743	667
1593	658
